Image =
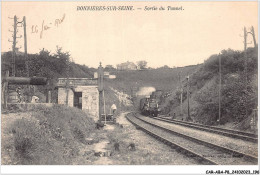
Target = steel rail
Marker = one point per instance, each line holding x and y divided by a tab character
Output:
166	141
225	149
226	132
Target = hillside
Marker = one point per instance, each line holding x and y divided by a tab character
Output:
164	79
204	87
129	82
45	64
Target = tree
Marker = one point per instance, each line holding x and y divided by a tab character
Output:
64	56
64	60
166	67
142	64
44	53
109	67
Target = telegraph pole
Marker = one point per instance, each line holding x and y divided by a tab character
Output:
253	34
181	93
100	88
188	97
26	57
14	46
181	102
219	91
25	47
245	55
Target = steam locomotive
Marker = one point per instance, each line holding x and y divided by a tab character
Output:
150	106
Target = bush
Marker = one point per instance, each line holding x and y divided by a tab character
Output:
50	135
32	144
235	99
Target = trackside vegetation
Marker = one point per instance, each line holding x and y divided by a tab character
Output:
238	88
49	136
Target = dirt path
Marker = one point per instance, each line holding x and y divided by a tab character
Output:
104	160
101	147
148	151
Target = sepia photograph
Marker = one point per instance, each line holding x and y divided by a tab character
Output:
130	83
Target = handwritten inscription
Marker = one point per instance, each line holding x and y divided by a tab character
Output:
46	26
59	21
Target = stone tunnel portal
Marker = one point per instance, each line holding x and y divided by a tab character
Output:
81	93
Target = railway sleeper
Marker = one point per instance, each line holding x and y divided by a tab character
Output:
227	150
184	150
239	135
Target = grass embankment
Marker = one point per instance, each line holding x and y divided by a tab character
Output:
49	136
238	89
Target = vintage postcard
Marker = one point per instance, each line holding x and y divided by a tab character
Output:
129	83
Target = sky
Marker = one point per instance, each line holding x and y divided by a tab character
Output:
172	38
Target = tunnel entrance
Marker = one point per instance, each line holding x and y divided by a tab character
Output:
78	100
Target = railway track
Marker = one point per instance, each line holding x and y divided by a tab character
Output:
205	152
226	132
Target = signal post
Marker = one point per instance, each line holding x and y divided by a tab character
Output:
100	89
